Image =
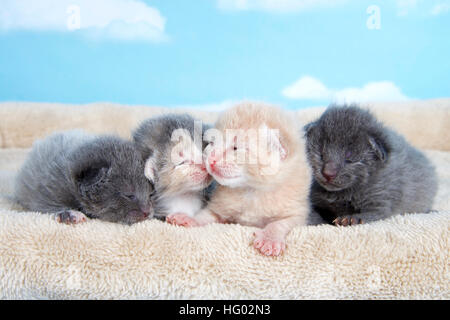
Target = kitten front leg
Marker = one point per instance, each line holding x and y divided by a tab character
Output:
181	219
270	241
204	217
339	216
70	217
348	220
370	214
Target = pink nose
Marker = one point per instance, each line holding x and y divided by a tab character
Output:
138	215
329	171
329	176
212	159
145	208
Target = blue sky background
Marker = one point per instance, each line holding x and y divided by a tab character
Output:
210	53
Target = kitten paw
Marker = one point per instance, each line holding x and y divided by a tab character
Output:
180	219
70	217
347	221
268	245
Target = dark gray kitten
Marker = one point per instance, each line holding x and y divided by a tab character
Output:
182	184
363	170
77	175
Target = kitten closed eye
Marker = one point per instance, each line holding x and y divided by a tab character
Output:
348	157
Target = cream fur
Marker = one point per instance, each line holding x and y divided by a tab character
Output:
276	203
404	257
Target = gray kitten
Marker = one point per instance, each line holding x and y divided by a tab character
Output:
174	163
363	170
77	175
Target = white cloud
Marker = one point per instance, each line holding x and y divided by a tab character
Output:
404	7
277	5
120	19
440	8
309	88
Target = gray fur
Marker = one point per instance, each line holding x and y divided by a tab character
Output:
153	140
101	176
378	174
153	136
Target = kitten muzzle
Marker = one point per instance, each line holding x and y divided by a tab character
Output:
330	171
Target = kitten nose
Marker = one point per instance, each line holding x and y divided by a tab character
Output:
212	158
146	210
329	171
136	215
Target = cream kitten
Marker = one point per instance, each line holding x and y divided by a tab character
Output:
263	178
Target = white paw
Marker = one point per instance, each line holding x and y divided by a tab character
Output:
181	219
268	244
71	217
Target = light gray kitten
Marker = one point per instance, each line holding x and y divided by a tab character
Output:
174	163
77	175
364	170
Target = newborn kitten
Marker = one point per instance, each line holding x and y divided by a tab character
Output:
363	170
173	156
77	175
263	180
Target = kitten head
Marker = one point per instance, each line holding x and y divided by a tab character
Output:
171	146
250	146
108	175
344	146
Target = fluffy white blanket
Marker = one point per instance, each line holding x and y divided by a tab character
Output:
404	257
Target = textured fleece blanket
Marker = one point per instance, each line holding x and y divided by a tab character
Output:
403	257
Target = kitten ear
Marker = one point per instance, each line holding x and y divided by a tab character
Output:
380	148
150	169
274	141
92	174
309	127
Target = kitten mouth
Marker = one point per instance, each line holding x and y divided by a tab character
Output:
136	216
216	173
332	188
329	185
